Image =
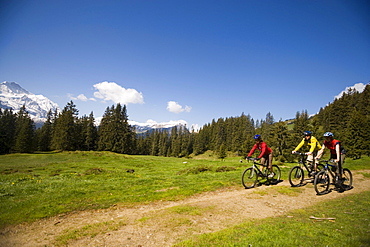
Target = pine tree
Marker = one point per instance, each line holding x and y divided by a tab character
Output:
186	143
65	131
7	130
221	154
280	142
163	143
45	134
266	129
155	137
201	140
175	139
105	130
91	133
363	106
24	132
301	124
355	134
115	134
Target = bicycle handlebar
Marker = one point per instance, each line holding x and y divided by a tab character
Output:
252	159
298	153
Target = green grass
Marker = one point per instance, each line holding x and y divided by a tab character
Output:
35	186
351	227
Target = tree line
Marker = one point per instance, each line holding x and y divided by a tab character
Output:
347	117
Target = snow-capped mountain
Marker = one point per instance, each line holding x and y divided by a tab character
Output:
13	96
152	125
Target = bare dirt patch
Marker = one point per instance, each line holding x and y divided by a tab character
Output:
165	223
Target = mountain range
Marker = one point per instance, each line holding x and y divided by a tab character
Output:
13	96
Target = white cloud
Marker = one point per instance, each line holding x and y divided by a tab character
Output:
111	91
81	97
359	87
175	107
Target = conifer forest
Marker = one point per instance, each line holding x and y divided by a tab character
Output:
347	117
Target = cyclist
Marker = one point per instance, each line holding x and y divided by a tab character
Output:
337	152
311	142
265	155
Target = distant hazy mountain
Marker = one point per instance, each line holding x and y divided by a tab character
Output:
150	125
13	96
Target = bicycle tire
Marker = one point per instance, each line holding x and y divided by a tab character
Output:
296	176
321	183
277	174
347	182
319	167
249	178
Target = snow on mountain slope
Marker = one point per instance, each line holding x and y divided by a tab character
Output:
13	96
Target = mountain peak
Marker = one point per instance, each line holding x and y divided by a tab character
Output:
13	96
12	87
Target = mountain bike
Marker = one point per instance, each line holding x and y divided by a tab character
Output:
253	175
322	179
296	173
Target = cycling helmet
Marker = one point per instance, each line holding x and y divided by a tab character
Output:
307	133
327	134
257	137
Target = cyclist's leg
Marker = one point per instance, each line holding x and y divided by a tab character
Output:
337	165
340	165
269	165
311	163
313	160
262	162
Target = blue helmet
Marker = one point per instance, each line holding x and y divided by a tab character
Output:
307	133
257	137
327	134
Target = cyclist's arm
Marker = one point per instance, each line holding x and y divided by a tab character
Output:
320	152
263	150
318	145
337	150
252	150
314	144
299	145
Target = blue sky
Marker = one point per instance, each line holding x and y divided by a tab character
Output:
187	60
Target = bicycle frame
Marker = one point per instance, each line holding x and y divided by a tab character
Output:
255	166
302	162
322	179
327	169
296	174
253	174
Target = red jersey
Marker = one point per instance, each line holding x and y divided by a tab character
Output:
262	147
332	145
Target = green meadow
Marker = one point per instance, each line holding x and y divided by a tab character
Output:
35	186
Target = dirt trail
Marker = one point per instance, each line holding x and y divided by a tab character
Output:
165	223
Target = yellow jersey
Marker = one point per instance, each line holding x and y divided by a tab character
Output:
312	143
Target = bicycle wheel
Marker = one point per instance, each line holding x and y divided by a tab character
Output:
321	183
320	167
296	176
249	178
277	174
347	179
